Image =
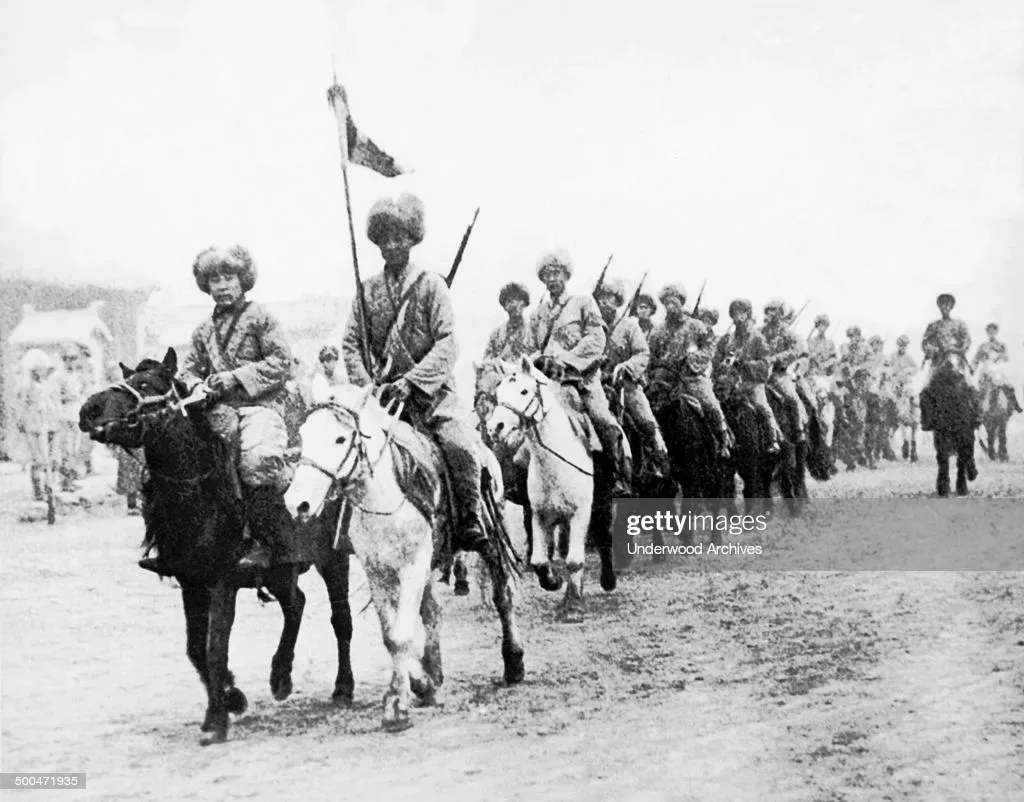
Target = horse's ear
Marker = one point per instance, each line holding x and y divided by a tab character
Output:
171	361
477	367
526	365
126	372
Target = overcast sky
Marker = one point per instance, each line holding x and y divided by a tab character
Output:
866	155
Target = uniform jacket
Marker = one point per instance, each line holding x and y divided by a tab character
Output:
38	407
421	346
69	391
853	357
577	331
251	345
509	343
628	346
783	344
901	369
944	338
670	343
993	351
753	359
823	356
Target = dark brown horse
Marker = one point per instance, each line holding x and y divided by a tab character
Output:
196	523
949	410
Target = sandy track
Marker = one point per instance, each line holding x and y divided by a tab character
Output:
682	685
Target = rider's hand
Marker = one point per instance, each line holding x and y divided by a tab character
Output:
395	392
620	372
222	382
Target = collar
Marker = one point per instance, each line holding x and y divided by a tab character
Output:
227	311
411	274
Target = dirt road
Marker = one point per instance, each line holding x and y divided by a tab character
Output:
685	684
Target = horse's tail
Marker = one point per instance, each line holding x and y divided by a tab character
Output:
511	562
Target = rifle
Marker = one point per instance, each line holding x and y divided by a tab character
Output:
462	249
799	312
600	279
696	306
631	307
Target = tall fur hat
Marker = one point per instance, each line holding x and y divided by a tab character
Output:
235	260
741	305
556	258
513	290
777	304
406	212
853	331
669	290
822	319
643	299
945	297
902	341
614	287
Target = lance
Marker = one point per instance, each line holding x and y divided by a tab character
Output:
338	101
462	249
631	309
800	311
696	306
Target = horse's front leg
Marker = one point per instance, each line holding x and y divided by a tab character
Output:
283	582
196	600
540	553
222	618
573	607
942	459
334	571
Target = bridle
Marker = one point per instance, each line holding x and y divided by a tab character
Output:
532	415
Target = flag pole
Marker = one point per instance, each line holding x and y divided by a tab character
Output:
339	102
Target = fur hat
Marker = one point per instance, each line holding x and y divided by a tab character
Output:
327	352
614	287
945	297
741	305
708	316
406	212
513	290
235	260
875	341
822	319
991	326
853	331
669	290
556	258
36	360
643	299
775	304
902	341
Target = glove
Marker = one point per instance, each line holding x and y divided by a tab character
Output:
222	382
549	365
394	392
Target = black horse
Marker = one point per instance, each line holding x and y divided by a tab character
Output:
949	409
752	457
196	523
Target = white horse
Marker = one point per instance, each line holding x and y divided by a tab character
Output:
560	477
396	531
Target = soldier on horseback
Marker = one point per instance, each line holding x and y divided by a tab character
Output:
743	364
627	357
785	348
410	324
989	357
645	309
511	340
822	356
681	350
569	338
945	345
241	356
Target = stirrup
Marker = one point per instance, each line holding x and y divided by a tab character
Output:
255	557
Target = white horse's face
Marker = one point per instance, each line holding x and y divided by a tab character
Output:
518	398
331	449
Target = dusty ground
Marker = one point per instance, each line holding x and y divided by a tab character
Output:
685	684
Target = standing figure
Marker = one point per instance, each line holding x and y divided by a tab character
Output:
241	356
38	417
69	389
410	324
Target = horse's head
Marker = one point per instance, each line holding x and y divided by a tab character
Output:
489	374
122	413
520	399
335	439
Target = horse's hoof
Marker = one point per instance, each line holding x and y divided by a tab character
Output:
609	581
281	689
549	580
235	702
515	671
461	587
972	471
218	735
424	690
395	720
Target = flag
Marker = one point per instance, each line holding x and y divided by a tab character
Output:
359	148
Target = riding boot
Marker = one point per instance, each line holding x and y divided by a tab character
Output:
659	456
1012	393
269	524
925	408
723	443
